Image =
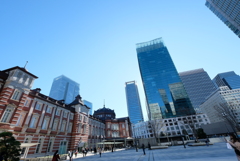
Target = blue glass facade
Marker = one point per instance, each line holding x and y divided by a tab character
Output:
228	11
198	85
230	79
165	93
133	102
64	88
89	104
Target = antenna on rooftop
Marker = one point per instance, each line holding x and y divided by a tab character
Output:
25	65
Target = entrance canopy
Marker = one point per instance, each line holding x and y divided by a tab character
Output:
81	144
24	145
110	143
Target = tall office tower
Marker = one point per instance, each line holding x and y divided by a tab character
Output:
228	12
89	104
133	102
198	85
64	88
230	79
164	90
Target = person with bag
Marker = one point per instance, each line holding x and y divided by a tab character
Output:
70	155
235	145
76	152
56	156
100	151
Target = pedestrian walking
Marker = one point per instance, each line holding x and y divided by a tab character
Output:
86	151
95	150
149	146
235	144
56	156
83	151
207	141
76	152
143	147
100	151
112	149
70	154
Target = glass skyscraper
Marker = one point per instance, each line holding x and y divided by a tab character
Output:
198	85
228	11
230	79
63	88
89	104
133	102
164	90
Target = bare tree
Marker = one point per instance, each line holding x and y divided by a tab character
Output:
156	126
190	122
227	111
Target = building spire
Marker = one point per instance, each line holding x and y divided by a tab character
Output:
25	65
103	103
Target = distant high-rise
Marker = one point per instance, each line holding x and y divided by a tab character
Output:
198	85
133	102
230	79
164	90
64	88
89	104
228	12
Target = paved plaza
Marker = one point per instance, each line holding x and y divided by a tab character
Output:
215	152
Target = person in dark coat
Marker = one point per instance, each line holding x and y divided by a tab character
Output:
70	154
207	141
112	149
149	146
56	156
143	147
100	151
95	150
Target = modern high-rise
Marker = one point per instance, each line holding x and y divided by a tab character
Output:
230	79
63	88
133	102
89	104
198	85
228	12
164	90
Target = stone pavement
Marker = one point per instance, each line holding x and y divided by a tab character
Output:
215	152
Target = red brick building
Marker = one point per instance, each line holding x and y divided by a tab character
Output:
37	118
117	129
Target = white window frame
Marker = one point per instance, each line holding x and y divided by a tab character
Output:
71	116
70	127
38	106
7	115
58	112
65	114
34	120
55	125
16	95
49	109
80	128
80	117
63	126
45	123
27	102
20	119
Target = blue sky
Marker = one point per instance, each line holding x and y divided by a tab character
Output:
94	42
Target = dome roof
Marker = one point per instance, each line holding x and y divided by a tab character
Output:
104	110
